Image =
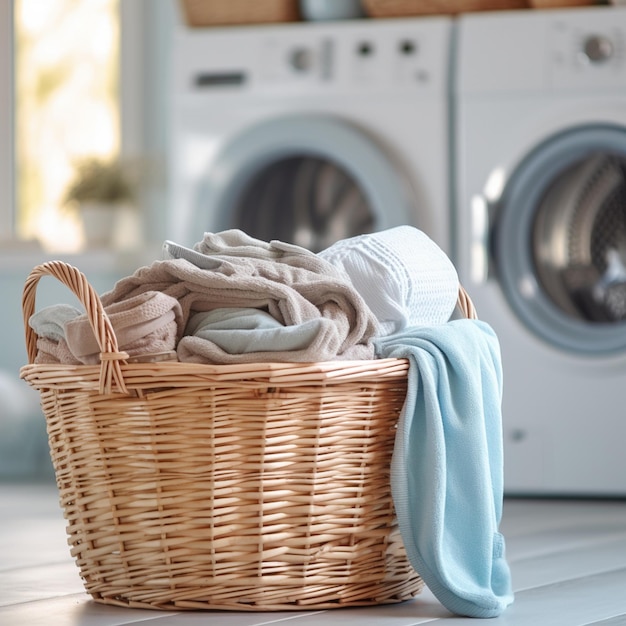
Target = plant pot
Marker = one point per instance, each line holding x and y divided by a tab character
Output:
99	223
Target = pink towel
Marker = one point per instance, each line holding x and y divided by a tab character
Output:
52	351
146	323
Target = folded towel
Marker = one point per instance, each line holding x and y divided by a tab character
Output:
49	326
289	283
447	464
50	352
402	274
50	321
146	323
235	243
226	335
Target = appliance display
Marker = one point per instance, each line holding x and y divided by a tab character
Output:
540	234
311	132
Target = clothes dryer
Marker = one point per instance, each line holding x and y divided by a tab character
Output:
310	132
540	213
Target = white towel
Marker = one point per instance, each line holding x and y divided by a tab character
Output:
403	276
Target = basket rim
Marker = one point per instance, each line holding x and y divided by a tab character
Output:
271	373
114	363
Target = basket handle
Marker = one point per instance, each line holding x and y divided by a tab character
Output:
110	356
464	302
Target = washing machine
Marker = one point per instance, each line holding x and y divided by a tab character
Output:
540	234
310	132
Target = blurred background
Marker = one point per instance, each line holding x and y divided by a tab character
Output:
83	92
496	126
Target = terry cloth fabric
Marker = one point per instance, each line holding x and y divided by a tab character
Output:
447	465
50	321
49	326
232	270
403	275
226	335
147	323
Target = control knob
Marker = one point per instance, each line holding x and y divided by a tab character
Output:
597	48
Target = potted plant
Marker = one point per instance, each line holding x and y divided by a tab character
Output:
99	190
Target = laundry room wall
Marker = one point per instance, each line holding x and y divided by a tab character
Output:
147	103
23	447
144	132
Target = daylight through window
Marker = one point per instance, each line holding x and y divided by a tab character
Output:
66	109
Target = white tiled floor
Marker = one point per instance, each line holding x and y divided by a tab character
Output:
568	561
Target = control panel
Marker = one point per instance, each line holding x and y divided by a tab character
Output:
588	55
359	56
337	57
542	51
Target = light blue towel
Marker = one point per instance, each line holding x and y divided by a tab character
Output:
447	464
225	335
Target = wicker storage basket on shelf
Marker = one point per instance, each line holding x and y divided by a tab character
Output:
405	8
200	13
257	487
559	4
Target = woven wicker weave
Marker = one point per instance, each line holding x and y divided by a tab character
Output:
199	13
258	487
405	8
559	4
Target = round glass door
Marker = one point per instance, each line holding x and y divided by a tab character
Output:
307	180
305	200
560	240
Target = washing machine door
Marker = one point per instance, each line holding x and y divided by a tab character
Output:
559	240
304	179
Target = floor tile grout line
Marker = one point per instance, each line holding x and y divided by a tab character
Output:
608	621
216	612
290	617
565	581
47	599
19	568
265	623
572	547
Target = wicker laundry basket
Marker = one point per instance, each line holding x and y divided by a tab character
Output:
203	13
559	4
257	487
406	8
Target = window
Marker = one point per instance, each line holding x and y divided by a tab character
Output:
64	96
6	121
66	107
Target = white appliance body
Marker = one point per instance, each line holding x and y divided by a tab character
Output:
537	95
366	99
